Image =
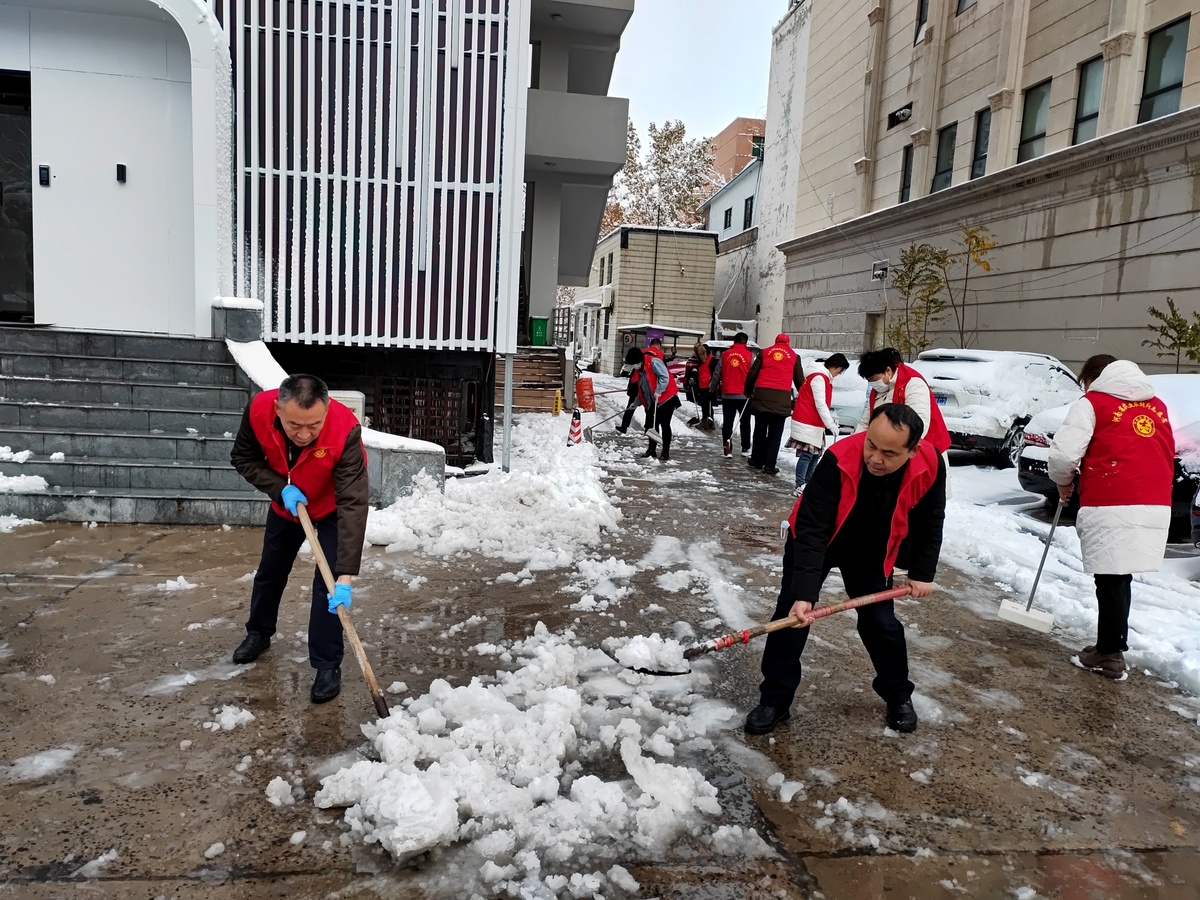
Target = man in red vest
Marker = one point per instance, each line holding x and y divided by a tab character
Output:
729	378
812	419
772	377
1118	437
297	445
869	492
892	381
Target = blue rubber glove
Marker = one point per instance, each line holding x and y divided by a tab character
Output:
291	496
341	597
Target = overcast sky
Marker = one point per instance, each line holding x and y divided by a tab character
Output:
702	61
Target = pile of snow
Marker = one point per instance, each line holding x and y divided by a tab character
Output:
7	455
178	584
652	654
59	456
228	718
39	765
542	513
505	770
22	484
279	792
988	529
9	523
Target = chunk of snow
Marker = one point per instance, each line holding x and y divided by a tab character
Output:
10	523
93	868
22	484
279	792
47	679
298	837
178	584
229	718
58	457
39	765
214	851
653	653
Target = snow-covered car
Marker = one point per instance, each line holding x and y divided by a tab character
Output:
1181	394
988	396
849	390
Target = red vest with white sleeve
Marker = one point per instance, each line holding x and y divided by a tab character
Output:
652	381
805	411
936	433
1130	460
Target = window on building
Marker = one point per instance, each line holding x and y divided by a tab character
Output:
748	213
1033	122
983	133
906	163
1087	101
756	146
943	171
610	269
728	219
964	5
922	21
607	316
1166	50
601	280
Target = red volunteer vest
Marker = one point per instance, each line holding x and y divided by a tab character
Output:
805	411
705	373
656	351
1131	458
936	433
652	381
735	366
313	471
778	365
918	479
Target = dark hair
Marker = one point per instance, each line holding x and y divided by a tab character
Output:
741	337
306	390
1094	366
902	416
634	356
656	340
837	361
874	362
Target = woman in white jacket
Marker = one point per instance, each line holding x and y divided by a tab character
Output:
1118	438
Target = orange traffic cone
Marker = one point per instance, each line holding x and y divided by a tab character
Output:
576	435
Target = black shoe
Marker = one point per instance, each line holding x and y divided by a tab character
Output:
327	685
650	452
664	456
692	422
621	429
770	470
251	647
764	718
902	717
754	465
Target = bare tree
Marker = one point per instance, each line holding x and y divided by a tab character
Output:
973	246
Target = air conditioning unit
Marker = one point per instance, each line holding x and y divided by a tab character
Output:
608	297
355	400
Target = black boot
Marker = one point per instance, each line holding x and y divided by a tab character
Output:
251	647
327	685
901	716
651	451
764	718
665	455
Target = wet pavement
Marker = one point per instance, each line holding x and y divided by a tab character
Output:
1026	774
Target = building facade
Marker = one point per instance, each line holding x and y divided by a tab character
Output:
1072	107
642	274
737	144
363	168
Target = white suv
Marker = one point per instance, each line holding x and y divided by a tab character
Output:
988	396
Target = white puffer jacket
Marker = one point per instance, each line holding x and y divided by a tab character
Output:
1116	540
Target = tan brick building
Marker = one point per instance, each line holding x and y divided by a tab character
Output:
1065	126
643	274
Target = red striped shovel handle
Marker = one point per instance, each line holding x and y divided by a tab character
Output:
743	637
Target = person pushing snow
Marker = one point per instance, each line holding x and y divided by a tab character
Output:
1118	438
869	493
297	445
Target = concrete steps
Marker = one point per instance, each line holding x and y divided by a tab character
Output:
145	424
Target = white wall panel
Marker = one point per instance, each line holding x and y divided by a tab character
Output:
14	38
110	45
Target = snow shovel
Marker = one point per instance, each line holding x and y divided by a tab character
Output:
381	706
652	432
1031	618
743	637
588	433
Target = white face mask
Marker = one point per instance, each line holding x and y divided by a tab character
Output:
880	387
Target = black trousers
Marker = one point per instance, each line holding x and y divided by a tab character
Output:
880	631
729	410
661	419
768	434
1113	594
630	408
281	542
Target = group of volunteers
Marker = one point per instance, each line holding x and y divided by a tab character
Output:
867	504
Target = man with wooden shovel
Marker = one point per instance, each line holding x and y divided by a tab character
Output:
297	445
870	493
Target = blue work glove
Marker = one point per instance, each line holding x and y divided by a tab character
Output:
291	496
341	597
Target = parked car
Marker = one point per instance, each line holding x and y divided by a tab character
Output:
1181	394
988	396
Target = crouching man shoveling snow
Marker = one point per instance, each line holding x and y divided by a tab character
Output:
1119	439
868	494
297	445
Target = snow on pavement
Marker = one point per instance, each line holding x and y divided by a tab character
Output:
989	533
516	772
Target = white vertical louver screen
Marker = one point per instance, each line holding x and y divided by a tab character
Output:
367	146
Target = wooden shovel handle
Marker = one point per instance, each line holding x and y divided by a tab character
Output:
744	637
343	614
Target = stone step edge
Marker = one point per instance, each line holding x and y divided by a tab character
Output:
79	432
123	359
141	384
109	493
122	407
121	462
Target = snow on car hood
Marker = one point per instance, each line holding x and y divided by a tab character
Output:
1005	385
